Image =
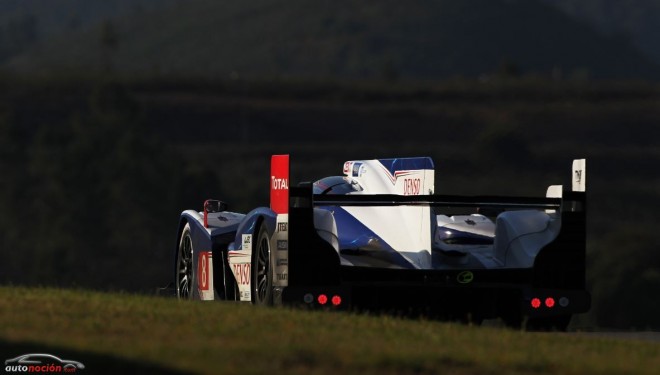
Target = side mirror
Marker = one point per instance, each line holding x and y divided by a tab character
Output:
213	205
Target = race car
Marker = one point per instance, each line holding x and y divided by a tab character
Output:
377	237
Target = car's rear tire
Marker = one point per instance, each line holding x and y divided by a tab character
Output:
185	274
262	274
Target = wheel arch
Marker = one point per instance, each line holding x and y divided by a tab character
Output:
195	221
179	232
253	222
200	240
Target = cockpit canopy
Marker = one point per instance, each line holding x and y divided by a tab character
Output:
336	185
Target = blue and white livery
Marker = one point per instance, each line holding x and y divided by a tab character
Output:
378	237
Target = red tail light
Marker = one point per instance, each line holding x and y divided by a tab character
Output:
550	302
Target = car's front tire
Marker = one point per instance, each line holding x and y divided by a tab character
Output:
185	274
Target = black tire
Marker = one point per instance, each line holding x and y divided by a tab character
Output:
262	273
185	274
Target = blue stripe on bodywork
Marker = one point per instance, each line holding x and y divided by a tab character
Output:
354	235
264	215
406	164
452	236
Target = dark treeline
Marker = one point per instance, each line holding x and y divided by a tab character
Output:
94	175
86	201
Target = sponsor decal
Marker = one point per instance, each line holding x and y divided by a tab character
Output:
279	184
578	176
411	186
205	275
240	263
242	273
465	277
42	363
280	258
203	270
247	242
347	167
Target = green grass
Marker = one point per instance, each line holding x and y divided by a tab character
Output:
119	332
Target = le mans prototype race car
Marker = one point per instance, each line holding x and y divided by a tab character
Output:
378	238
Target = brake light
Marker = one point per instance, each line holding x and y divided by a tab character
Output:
323	299
536	303
550	302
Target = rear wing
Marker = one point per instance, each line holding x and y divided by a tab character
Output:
306	259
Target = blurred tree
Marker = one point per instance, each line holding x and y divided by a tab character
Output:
508	69
14	213
101	187
51	204
504	143
18	33
109	40
625	274
109	37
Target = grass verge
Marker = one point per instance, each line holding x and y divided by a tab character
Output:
118	332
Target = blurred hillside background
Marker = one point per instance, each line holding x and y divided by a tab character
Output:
116	115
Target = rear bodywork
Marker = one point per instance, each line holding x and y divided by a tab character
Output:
456	285
378	238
